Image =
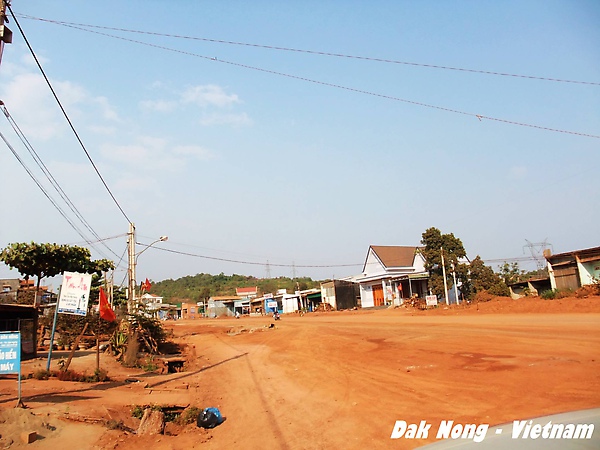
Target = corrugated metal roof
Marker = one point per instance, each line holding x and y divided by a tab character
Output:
588	254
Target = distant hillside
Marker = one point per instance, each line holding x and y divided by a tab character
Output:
202	286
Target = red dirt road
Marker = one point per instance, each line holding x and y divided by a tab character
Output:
341	380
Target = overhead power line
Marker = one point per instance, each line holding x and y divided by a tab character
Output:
250	262
44	191
314	52
306	266
65	113
480	117
44	169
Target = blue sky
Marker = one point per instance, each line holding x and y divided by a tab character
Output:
256	154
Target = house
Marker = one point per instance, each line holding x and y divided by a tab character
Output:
392	273
250	292
226	305
575	269
310	299
149	300
191	310
154	307
14	290
21	318
532	286
341	294
8	290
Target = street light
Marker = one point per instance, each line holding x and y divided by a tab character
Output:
160	239
133	257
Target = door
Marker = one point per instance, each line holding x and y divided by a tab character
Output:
378	295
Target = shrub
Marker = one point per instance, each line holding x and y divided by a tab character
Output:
189	415
115	425
42	374
69	375
100	376
549	295
149	365
483	296
137	411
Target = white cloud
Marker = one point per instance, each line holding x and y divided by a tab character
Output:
194	151
209	95
225	119
158	105
107	110
148	154
518	172
30	104
103	130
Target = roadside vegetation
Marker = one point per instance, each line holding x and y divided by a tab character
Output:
202	286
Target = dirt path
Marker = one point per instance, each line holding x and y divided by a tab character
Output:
342	379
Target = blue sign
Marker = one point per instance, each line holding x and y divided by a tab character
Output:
10	352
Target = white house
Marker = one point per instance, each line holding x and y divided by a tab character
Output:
392	273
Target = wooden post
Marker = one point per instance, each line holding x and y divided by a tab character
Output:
75	345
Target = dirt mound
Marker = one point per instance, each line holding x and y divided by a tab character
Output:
526	305
17	421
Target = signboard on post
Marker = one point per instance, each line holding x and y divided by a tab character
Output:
10	352
10	355
431	300
74	293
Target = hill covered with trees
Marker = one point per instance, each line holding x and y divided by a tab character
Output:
202	286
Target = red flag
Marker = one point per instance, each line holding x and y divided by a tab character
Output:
146	285
106	311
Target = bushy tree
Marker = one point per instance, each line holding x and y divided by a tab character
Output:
434	244
511	273
48	260
483	278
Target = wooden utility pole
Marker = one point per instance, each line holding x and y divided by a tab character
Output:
5	33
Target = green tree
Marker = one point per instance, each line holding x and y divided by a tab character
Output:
483	278
511	273
48	260
452	247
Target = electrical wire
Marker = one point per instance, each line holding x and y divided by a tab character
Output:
65	113
307	266
32	176
249	262
51	178
480	117
312	52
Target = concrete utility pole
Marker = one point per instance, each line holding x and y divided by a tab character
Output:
444	272
5	33
131	268
455	286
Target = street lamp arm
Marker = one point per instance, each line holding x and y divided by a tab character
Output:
160	239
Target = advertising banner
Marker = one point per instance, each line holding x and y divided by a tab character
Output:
74	293
431	300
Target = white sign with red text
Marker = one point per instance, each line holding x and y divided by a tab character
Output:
74	293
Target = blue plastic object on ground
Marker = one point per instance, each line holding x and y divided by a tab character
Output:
210	418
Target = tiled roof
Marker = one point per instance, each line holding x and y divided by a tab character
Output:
246	290
395	255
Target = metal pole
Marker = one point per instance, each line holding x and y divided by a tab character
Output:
53	330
